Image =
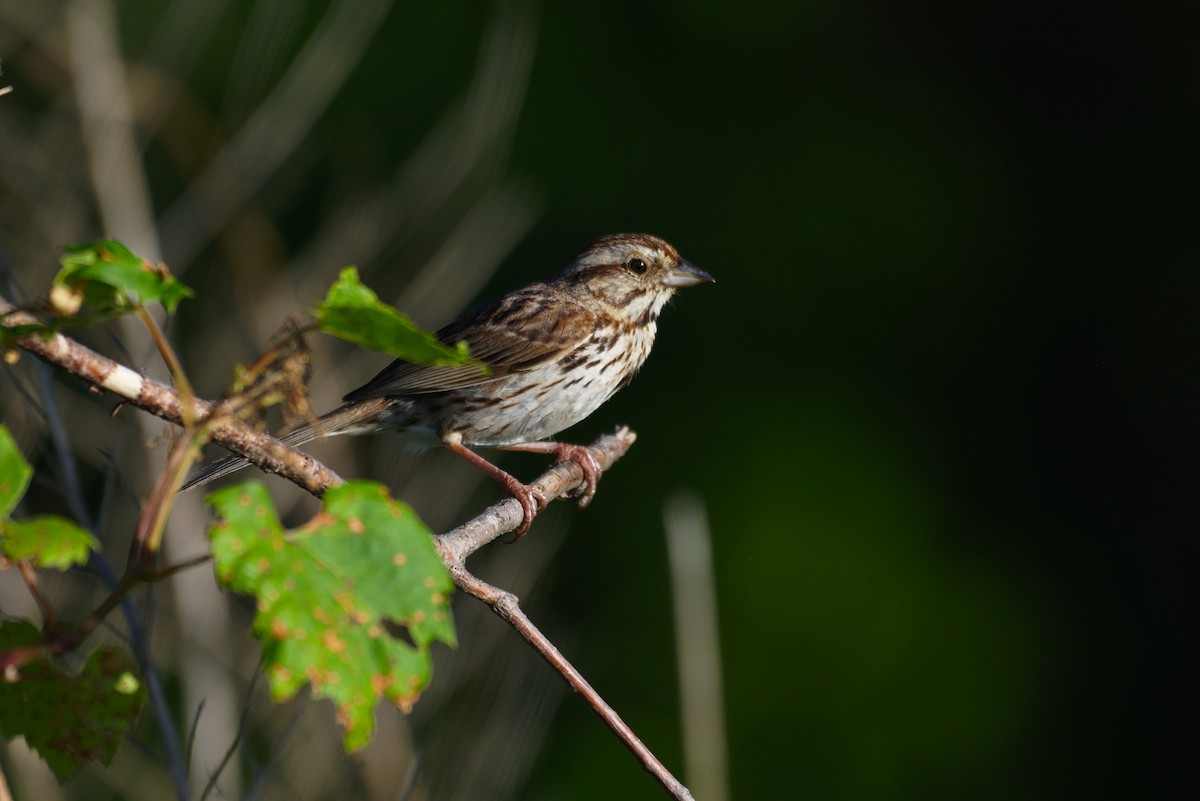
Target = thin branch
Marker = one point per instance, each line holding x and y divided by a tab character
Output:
279	744
506	605
152	523
231	751
167	353
25	568
163	401
191	738
273	456
170	570
65	640
456	545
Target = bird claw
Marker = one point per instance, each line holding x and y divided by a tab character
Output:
532	501
566	452
582	456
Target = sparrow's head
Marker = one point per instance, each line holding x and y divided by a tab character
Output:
631	275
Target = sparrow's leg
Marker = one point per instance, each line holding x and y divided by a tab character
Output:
532	501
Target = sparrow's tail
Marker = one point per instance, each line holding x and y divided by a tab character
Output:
362	417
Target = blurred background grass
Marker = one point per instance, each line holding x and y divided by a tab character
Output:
940	406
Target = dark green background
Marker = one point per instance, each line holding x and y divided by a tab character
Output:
939	405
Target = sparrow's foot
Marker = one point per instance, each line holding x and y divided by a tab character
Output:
565	452
531	499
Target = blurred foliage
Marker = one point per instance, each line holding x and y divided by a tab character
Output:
69	720
941	403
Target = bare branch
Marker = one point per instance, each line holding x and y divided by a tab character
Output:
163	401
456	545
506	605
29	576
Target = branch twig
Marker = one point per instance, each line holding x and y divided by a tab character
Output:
163	401
456	545
25	568
507	606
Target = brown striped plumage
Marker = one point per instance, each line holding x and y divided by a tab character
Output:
556	350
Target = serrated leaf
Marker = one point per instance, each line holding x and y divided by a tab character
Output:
113	280
351	311
69	720
15	473
49	541
328	592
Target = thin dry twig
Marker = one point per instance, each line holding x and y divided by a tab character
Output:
507	606
29	576
459	543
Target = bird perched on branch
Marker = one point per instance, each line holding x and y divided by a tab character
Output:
556	350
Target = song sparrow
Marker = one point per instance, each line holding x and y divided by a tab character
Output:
556	350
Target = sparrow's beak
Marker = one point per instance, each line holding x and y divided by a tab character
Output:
684	274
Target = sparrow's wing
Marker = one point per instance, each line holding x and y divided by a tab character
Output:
517	332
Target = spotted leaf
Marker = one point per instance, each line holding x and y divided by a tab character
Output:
348	603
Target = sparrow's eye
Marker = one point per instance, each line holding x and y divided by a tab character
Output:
637	266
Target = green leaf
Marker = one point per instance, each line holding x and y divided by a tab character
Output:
69	720
12	333
15	473
351	311
329	591
50	541
109	277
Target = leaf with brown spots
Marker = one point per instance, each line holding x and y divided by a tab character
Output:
328	591
69	720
